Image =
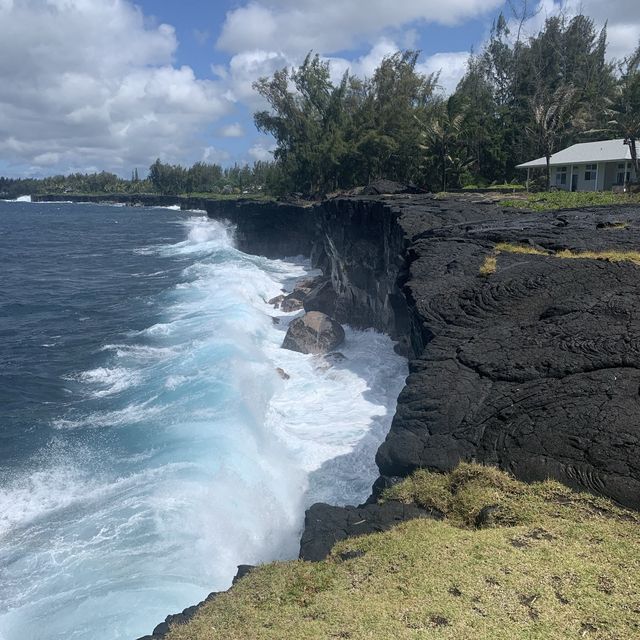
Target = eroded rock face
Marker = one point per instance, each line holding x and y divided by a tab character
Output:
321	298
534	368
315	333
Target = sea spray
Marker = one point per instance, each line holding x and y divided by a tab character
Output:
179	452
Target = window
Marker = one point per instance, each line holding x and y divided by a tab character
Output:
591	170
622	175
561	175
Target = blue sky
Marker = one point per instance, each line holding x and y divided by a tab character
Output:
88	85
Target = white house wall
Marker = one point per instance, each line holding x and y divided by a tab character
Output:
607	174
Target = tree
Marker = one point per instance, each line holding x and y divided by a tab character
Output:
625	111
442	137
551	114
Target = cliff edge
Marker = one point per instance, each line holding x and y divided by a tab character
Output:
523	331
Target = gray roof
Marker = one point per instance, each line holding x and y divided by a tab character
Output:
601	151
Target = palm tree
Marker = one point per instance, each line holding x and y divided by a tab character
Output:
551	113
441	135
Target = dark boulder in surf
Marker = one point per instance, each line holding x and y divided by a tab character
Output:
315	333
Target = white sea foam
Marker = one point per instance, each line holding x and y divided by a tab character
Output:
131	414
110	381
20	199
209	456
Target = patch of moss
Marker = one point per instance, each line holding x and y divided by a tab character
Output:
489	265
506	247
550	564
611	256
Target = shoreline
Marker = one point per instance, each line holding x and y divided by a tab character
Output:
509	368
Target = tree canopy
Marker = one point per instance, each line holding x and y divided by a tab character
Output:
520	98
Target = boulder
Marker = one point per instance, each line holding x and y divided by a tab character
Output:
293	302
277	301
315	332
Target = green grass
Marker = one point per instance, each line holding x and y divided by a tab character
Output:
489	266
551	565
553	200
229	196
504	185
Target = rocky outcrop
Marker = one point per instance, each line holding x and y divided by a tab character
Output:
534	368
325	525
129	199
321	298
315	333
271	229
301	291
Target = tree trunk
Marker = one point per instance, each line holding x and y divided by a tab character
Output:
634	157
548	157
444	167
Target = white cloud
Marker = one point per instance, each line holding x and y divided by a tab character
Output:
214	155
88	83
296	26
233	130
247	67
262	151
451	67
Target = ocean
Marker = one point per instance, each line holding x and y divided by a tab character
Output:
148	444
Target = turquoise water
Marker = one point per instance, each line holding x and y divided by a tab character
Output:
147	443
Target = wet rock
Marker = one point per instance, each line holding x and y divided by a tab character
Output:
277	301
293	302
315	333
308	284
284	375
321	298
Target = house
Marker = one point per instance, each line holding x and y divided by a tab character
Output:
589	166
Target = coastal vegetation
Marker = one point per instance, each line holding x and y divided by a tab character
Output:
509	560
521	97
490	264
201	179
551	200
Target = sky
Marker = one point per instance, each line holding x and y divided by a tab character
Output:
90	85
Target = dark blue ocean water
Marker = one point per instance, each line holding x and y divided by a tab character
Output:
147	444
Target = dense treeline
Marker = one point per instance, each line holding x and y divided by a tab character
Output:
162	178
521	98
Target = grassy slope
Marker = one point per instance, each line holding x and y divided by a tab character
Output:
548	564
